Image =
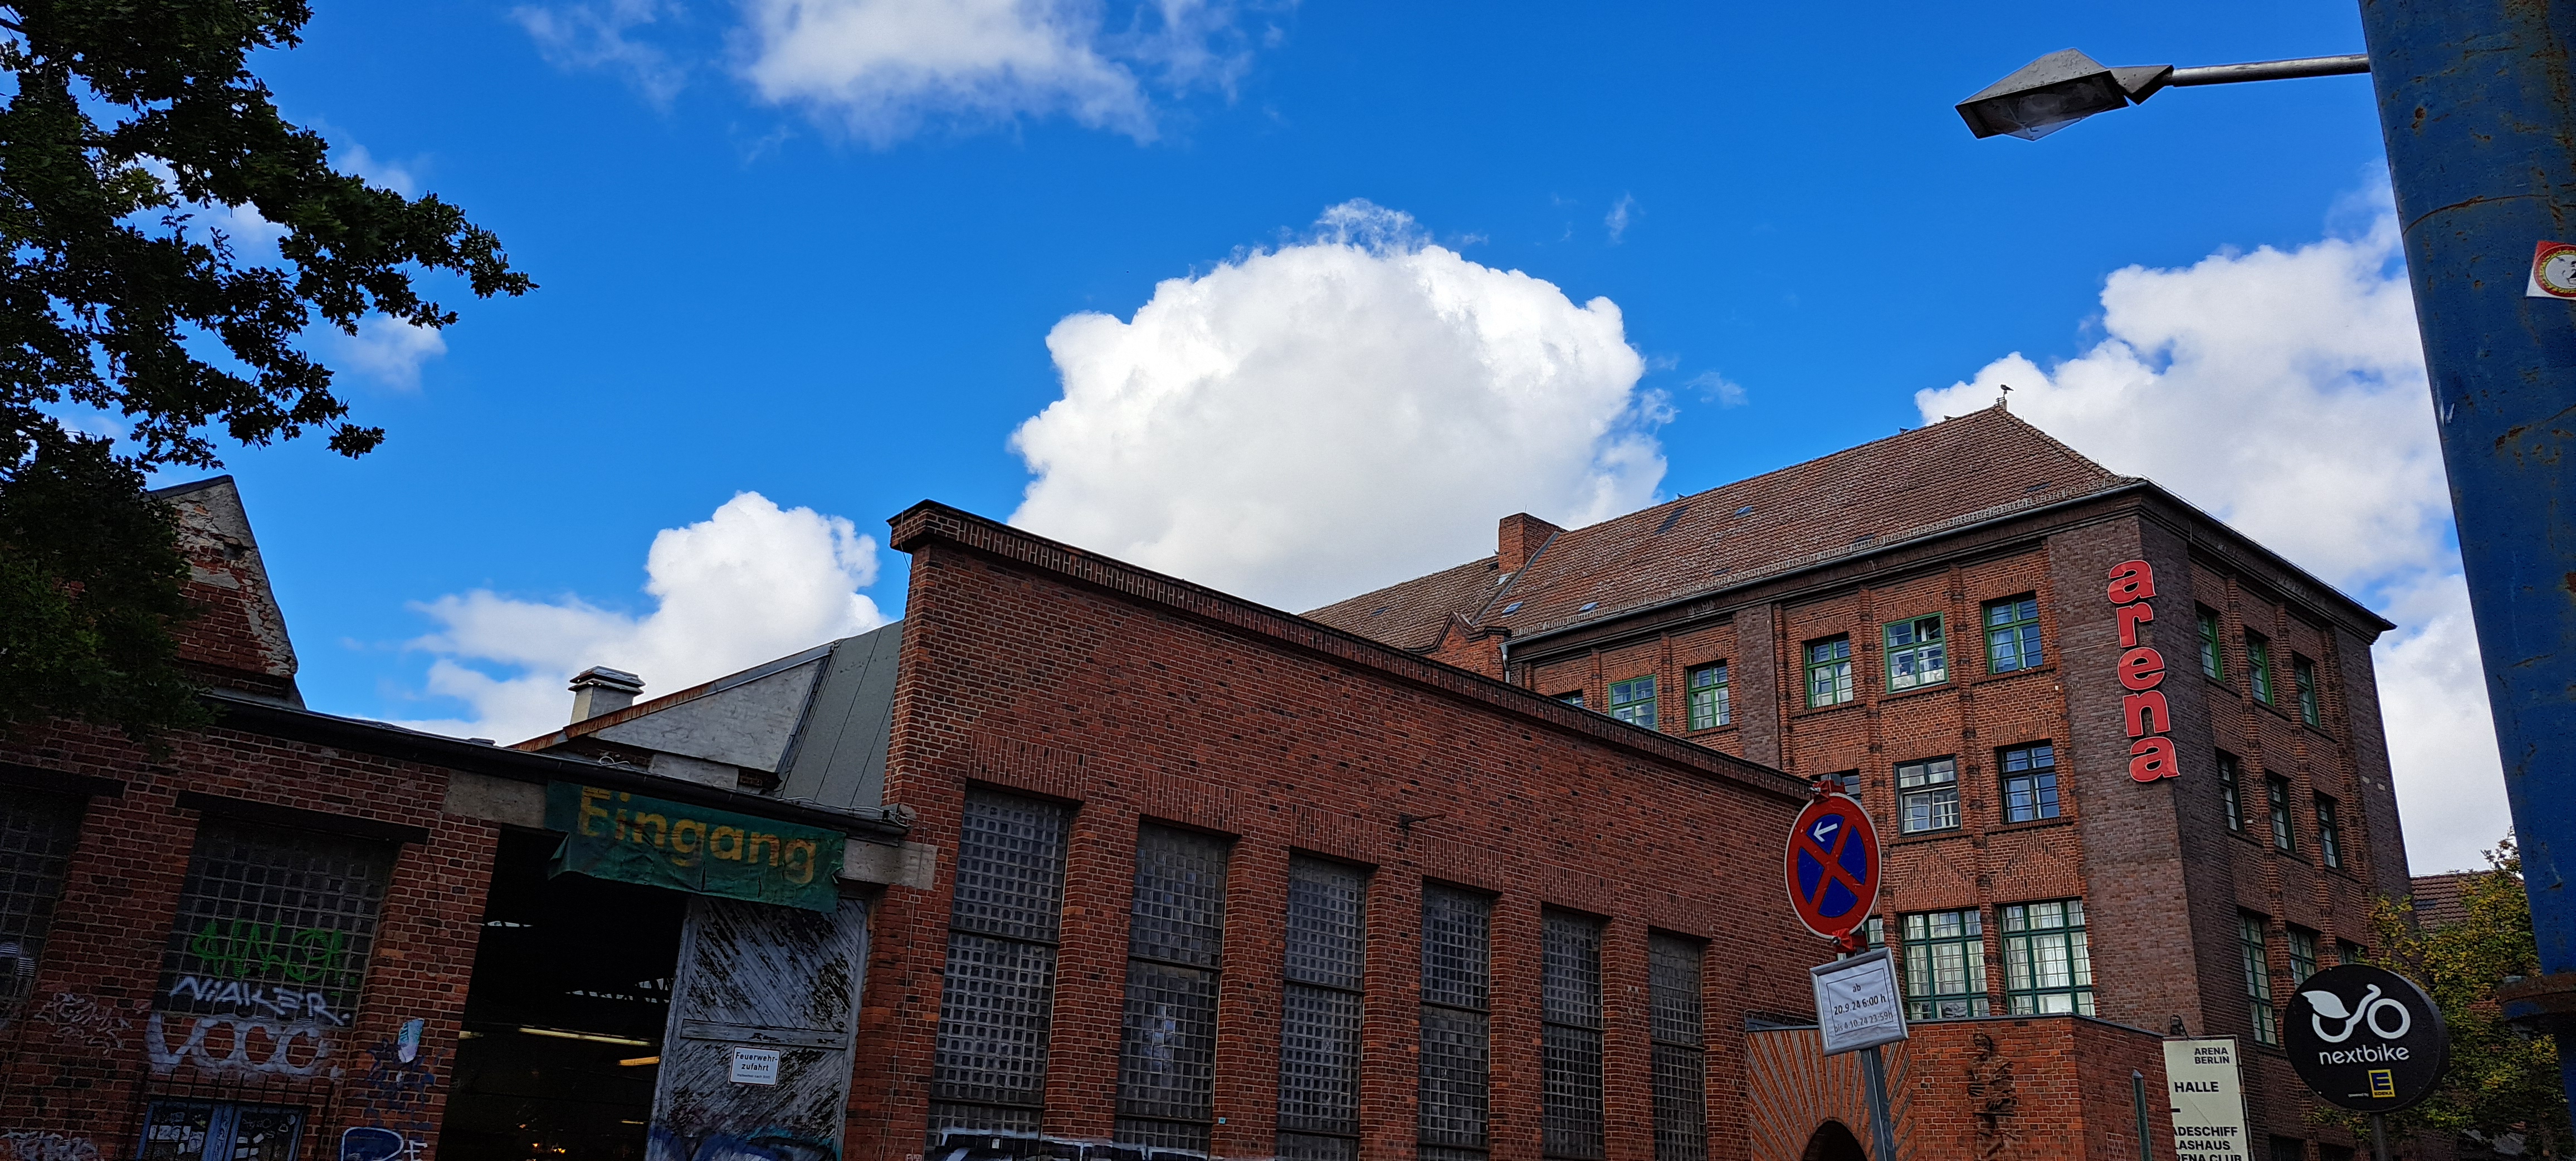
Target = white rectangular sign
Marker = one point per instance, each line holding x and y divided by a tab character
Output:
1857	1005
2208	1100
755	1066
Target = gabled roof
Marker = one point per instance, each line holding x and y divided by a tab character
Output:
1959	471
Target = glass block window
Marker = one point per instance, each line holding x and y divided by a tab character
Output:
1945	965
1927	796
1457	976
1708	697
2231	790
2048	963
1633	701
2030	782
2012	634
2213	660
37	832
2258	665
1319	1034
2276	796
1175	937
1829	672
2254	951
274	922
1916	655
988	1067
2303	955
1676	1030
1570	1036
2329	832
2303	674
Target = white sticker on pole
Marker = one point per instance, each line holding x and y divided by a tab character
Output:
755	1066
1857	1005
2553	271
2208	1100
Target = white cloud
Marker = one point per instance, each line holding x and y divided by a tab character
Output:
1617	219
1718	389
386	349
601	36
1305	423
2284	392
750	583
390	175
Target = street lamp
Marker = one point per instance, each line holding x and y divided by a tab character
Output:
2067	86
2477	108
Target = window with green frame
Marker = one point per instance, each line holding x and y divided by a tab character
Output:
1927	796
1829	672
2276	800
2346	951
1574	699
2213	660
1916	655
2048	964
1945	965
2303	674
2254	953
2303	955
2329	833
1633	701
2231	790
2012	634
2258	665
1708	704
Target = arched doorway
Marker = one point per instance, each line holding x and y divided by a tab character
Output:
1833	1141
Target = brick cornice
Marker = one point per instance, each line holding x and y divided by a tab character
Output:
930	522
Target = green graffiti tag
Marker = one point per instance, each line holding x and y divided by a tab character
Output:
247	950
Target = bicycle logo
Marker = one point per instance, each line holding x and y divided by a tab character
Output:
2329	1006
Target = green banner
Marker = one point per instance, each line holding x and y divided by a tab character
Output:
611	834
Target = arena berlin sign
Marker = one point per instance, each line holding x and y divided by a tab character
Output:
2208	1099
2141	670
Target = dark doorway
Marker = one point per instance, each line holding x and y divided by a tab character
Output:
563	1025
1833	1141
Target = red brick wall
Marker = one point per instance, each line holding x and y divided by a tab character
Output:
1159	702
77	1053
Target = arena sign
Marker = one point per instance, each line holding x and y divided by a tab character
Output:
2141	670
2366	1038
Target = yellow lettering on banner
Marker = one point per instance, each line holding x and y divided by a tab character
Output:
688	837
719	848
590	795
800	860
661	828
751	847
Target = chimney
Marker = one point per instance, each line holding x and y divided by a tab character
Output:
601	690
1522	536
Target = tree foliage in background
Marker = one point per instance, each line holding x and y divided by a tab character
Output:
2503	1081
130	121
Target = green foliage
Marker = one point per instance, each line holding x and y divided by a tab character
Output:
127	118
2502	1080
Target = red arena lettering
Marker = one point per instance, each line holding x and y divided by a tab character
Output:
2131	616
2132	580
2142	668
2143	708
2152	758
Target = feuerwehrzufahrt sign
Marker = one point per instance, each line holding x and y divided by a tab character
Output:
1857	1005
2366	1038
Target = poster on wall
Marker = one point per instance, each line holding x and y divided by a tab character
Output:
2208	1099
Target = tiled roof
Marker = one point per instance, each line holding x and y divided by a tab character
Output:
1956	472
2442	900
1414	614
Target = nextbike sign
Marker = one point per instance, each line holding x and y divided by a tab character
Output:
2366	1038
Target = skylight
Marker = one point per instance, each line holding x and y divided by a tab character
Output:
1588	606
1511	608
1746	510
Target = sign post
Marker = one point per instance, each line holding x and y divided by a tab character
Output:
2366	1039
1832	869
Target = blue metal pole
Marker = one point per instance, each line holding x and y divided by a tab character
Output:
2477	101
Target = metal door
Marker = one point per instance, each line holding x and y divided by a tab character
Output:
764	1010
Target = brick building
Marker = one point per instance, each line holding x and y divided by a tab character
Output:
2129	763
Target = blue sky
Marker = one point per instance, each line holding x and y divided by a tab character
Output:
836	288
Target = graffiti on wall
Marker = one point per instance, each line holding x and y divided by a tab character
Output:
30	1145
82	1020
245	997
988	1145
232	1044
395	1092
665	1145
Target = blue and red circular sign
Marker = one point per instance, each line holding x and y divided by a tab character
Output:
1833	866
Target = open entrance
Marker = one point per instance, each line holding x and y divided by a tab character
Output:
1833	1141
563	1025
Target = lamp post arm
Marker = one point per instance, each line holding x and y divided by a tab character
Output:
2270	70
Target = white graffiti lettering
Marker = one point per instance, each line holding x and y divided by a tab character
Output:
251	998
228	1044
83	1020
30	1145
